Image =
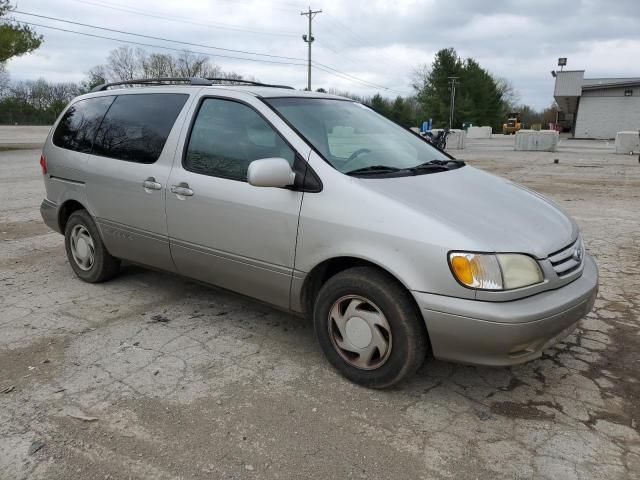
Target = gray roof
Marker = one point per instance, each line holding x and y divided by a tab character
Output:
595	83
571	83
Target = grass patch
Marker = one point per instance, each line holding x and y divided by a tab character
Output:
26	146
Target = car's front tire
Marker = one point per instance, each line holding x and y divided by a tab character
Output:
87	255
369	328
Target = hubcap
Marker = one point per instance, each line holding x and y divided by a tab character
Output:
82	248
359	332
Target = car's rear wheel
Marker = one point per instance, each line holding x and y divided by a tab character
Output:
87	255
369	328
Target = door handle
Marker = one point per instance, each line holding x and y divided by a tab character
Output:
182	189
151	184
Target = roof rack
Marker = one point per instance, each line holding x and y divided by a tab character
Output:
233	81
190	80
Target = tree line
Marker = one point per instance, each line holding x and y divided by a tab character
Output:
481	99
39	102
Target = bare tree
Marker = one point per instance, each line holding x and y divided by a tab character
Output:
43	95
123	64
94	77
158	65
420	77
190	64
510	97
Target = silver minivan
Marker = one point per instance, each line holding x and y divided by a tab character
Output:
317	205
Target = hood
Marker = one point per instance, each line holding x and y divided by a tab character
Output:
497	214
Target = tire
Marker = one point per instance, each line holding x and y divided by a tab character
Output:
340	298
86	253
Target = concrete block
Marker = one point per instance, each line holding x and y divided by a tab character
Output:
23	135
456	139
479	132
627	142
532	140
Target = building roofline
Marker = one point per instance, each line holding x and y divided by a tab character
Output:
598	86
634	79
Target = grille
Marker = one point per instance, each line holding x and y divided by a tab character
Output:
564	261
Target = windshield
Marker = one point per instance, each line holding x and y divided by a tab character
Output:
353	137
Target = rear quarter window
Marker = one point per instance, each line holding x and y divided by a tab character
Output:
77	127
136	126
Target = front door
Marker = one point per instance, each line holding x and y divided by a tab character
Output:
221	229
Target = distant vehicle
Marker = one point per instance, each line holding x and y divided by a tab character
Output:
318	205
438	140
513	124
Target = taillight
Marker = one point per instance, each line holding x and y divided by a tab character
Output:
43	164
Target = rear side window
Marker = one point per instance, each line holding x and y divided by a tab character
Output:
78	126
136	126
227	136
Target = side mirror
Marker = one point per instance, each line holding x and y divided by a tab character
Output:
270	172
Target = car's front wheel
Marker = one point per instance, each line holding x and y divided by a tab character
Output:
87	254
369	328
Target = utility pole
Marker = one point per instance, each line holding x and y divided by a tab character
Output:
452	104
309	39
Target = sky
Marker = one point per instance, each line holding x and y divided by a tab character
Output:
376	45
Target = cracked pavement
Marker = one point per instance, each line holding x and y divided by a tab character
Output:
153	376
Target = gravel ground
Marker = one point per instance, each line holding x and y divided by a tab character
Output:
154	376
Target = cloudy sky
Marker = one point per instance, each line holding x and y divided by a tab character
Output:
377	42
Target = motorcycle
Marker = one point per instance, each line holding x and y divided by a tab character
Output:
438	140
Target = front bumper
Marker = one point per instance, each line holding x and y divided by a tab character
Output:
506	333
49	212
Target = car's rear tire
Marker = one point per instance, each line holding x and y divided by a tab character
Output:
369	328
87	255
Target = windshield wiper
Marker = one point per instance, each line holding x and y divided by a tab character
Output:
374	170
448	164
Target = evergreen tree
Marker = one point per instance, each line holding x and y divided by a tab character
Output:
479	98
15	39
434	94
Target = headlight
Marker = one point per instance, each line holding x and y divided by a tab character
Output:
501	271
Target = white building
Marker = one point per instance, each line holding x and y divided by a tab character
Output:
597	107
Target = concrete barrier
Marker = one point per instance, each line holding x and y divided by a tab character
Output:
479	132
532	140
23	136
455	140
627	142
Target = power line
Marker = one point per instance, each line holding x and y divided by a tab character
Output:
313	13
131	42
221	26
150	37
326	68
348	76
336	53
336	21
335	27
358	41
